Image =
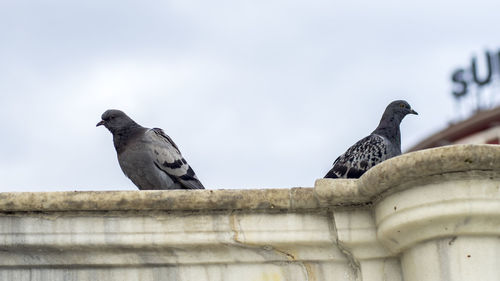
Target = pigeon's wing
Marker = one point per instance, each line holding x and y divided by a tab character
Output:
359	158
168	158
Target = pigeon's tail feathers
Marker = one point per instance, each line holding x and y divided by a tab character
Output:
190	181
344	172
169	159
331	175
192	184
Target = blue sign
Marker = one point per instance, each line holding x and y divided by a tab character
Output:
463	78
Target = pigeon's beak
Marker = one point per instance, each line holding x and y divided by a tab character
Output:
413	112
100	123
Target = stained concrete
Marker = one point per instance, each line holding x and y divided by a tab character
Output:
427	215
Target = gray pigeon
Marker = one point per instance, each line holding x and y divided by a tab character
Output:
380	145
148	157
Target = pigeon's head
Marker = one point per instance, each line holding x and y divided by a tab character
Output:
391	119
115	120
399	109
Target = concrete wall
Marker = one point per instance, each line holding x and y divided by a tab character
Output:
427	215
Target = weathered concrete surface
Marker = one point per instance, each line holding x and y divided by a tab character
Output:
428	215
176	200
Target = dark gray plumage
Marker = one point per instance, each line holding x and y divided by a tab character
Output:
380	145
148	157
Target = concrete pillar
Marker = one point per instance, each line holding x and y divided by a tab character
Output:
439	211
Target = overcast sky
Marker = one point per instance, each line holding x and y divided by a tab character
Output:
256	94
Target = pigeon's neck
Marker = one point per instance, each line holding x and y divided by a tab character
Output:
123	136
389	128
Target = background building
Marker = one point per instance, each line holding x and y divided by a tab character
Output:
481	128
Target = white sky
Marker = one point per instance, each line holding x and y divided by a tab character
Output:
256	94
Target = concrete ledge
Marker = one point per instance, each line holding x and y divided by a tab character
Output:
328	193
420	166
172	200
409	169
397	172
427	216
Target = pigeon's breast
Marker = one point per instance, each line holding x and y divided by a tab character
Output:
391	150
137	163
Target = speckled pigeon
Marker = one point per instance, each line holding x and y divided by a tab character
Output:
148	157
380	145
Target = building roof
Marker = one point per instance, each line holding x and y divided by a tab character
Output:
480	121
